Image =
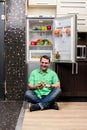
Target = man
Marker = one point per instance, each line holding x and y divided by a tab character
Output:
44	87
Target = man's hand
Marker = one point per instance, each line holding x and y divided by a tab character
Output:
40	85
47	85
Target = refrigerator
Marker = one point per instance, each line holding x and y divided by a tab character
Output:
52	36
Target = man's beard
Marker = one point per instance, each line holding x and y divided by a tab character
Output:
44	68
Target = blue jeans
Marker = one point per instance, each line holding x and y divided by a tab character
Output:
45	101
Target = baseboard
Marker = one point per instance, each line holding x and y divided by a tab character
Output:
73	99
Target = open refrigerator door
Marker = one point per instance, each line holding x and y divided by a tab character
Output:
65	39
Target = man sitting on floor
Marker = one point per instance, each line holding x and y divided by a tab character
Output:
44	87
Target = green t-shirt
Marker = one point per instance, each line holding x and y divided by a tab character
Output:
49	77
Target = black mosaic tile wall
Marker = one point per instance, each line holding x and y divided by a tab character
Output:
1	51
15	66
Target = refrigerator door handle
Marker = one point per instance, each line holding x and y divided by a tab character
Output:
72	68
42	3
76	68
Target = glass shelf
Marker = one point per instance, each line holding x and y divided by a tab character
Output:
41	47
40	31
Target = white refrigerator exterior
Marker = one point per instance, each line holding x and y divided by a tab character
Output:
63	36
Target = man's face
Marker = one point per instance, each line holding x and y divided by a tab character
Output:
44	64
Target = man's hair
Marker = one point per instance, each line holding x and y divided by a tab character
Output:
45	57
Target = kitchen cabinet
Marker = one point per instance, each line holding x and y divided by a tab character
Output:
81	80
41	11
82	23
72	6
41	7
78	7
73	79
41	2
67	79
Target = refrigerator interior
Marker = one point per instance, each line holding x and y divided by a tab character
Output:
39	38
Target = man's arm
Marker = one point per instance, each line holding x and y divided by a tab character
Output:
33	87
53	85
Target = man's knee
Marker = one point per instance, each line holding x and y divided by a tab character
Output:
58	90
26	94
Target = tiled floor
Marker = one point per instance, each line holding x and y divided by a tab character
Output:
9	113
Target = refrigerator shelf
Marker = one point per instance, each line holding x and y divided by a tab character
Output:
40	31
35	55
40	47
